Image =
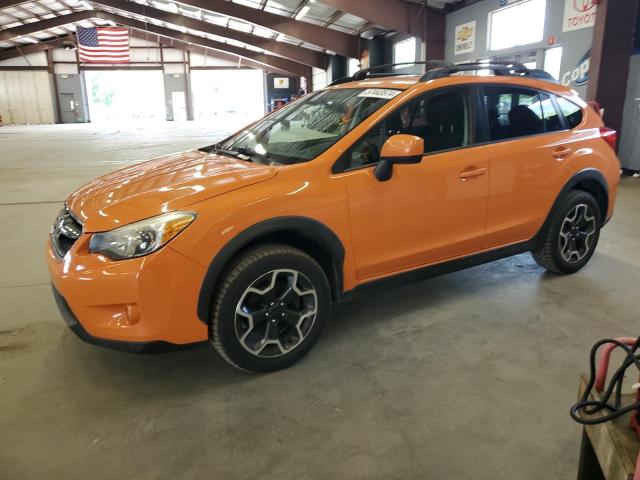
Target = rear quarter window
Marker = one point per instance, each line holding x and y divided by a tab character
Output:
571	112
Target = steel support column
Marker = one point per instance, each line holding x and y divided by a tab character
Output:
610	54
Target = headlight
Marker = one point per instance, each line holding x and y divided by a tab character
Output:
140	238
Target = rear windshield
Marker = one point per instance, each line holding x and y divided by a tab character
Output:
303	130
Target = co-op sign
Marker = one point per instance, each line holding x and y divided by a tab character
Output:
578	14
580	74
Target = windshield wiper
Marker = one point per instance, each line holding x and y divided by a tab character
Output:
247	154
241	152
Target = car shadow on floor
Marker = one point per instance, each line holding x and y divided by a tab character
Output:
470	289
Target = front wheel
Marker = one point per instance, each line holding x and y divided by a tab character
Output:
573	234
270	308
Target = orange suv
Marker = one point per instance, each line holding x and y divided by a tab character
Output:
247	243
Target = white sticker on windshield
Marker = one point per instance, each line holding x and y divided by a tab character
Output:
379	93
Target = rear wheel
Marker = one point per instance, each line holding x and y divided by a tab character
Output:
573	234
270	308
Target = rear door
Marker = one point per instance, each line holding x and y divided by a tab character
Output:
525	137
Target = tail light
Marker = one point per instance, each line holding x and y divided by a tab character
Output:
609	135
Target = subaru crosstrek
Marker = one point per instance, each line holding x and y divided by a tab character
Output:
248	242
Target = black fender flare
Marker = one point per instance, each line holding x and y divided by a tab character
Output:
319	232
586	174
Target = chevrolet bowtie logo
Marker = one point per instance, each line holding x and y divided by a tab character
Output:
465	34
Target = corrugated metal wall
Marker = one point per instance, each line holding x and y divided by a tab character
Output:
25	97
629	151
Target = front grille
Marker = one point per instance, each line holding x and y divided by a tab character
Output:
65	231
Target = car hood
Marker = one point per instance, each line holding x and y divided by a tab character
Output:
161	185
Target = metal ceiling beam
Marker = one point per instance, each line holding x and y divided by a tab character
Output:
33	48
15	19
339	42
268	61
364	27
29	12
397	15
188	47
166	42
333	18
11	3
342	43
33	27
300	55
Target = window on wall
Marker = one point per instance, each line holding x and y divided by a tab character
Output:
319	79
519	24
552	58
353	67
404	51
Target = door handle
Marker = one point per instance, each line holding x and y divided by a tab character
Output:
562	152
468	174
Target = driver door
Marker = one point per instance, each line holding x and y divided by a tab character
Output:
427	212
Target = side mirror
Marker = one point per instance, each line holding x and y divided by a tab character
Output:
399	148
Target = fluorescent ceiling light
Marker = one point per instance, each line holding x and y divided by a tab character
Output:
303	12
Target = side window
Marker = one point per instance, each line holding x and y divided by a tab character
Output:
366	151
572	112
445	122
513	112
551	118
441	119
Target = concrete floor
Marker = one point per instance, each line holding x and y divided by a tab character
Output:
470	375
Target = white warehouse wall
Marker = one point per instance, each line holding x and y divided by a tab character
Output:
25	97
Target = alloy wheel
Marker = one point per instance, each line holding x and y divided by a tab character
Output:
576	233
276	313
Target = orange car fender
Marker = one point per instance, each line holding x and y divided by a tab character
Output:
588	174
230	222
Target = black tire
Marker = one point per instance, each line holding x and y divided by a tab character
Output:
549	254
248	268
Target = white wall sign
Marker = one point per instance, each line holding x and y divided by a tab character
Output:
465	38
579	14
280	82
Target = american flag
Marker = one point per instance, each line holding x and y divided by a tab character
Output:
103	44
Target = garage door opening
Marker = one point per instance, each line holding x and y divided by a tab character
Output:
118	95
228	99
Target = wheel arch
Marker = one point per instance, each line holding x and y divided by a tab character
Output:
306	234
589	180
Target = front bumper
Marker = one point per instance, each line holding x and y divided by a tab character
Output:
130	305
130	347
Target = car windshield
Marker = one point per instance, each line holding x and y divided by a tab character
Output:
303	130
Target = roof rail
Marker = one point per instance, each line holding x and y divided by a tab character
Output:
367	72
441	68
498	68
